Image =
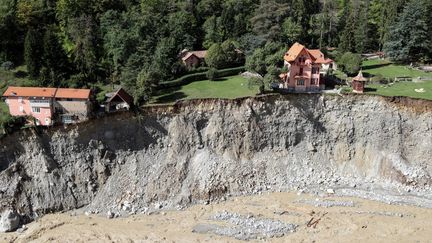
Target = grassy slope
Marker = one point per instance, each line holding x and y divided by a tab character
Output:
389	70
402	89
228	87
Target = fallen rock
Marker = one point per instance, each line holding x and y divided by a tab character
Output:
110	215
330	191
9	221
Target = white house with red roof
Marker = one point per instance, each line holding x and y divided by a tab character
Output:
49	105
304	69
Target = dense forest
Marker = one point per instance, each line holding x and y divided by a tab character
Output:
136	43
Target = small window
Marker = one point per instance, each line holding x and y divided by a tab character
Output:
314	81
301	71
300	82
36	109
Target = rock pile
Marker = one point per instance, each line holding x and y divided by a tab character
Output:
9	221
246	227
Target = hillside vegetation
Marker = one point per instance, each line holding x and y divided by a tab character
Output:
136	43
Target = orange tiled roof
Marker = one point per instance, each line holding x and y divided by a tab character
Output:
296	49
316	53
47	92
29	92
293	52
73	93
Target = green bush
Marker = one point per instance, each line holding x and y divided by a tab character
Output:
377	79
13	123
212	74
8	65
350	63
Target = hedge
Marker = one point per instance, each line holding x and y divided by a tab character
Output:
187	79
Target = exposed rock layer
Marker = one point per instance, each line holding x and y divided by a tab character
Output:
205	150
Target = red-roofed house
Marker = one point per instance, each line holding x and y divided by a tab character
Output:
304	69
193	58
46	105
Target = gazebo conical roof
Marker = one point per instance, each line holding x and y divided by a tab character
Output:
360	77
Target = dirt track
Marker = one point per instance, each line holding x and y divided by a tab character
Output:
351	220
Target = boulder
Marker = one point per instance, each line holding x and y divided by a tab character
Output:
9	221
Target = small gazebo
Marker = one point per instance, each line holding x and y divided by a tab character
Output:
358	83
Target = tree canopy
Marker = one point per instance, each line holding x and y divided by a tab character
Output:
137	43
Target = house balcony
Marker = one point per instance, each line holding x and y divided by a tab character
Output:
40	103
299	76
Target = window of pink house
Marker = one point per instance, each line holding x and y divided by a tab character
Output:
36	109
314	81
300	82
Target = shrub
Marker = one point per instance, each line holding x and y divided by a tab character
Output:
350	63
8	65
13	123
212	74
257	81
377	79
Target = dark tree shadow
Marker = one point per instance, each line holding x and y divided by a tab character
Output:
21	74
172	97
376	66
368	75
220	79
366	89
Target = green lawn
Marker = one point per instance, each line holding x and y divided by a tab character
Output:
402	89
390	70
228	87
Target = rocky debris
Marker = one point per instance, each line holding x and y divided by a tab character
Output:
388	214
9	221
110	215
22	229
245	227
330	191
327	203
288	213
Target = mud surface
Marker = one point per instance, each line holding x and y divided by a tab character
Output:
268	217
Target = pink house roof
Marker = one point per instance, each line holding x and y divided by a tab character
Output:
296	49
72	93
29	92
294	52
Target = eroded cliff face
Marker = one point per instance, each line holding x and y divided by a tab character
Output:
205	150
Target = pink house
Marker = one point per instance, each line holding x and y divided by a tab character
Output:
46	105
304	67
